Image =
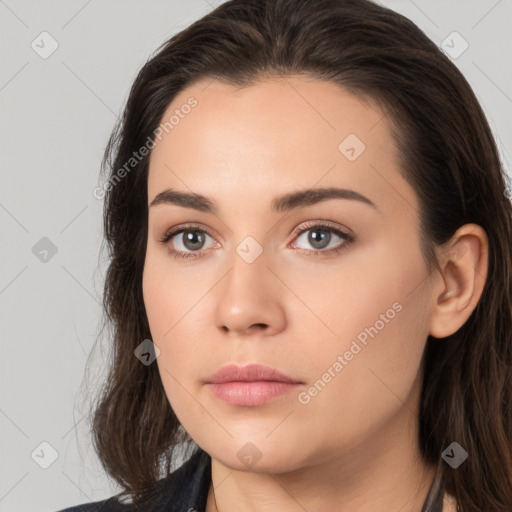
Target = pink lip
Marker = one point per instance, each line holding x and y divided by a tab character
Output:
249	373
250	385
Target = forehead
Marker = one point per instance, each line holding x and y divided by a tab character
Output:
271	135
279	110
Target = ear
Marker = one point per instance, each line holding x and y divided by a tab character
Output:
457	288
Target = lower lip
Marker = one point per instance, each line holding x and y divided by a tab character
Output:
250	394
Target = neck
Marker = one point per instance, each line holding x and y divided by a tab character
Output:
385	471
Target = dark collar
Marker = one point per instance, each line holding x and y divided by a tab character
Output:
183	490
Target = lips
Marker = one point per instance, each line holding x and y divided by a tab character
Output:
250	386
249	373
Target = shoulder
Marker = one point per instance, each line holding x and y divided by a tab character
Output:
186	487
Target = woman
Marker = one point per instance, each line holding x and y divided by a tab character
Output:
310	274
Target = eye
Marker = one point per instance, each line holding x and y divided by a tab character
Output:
319	235
188	238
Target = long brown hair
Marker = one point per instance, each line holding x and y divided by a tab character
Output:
449	157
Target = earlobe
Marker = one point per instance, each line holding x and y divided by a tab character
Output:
459	286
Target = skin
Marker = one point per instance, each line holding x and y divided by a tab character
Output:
355	443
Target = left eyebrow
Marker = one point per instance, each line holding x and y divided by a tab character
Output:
286	202
308	197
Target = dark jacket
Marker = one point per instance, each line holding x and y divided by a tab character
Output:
186	490
183	490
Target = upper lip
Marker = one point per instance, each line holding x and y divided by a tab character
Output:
249	373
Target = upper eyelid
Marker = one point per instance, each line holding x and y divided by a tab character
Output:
187	227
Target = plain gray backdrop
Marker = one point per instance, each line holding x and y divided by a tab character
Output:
66	71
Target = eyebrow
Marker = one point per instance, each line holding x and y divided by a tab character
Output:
286	202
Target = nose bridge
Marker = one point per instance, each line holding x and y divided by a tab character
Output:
247	282
248	294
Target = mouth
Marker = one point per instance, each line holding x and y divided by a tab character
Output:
251	385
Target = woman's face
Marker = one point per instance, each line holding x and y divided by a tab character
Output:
331	291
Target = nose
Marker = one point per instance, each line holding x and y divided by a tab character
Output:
249	299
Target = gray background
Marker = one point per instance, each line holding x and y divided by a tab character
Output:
57	113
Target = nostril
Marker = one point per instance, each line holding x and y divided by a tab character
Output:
259	325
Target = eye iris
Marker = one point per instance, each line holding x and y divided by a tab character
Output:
314	238
190	239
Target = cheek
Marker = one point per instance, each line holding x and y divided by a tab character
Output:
359	383
167	302
169	294
379	325
175	306
347	295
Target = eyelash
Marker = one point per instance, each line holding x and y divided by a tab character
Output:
171	233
